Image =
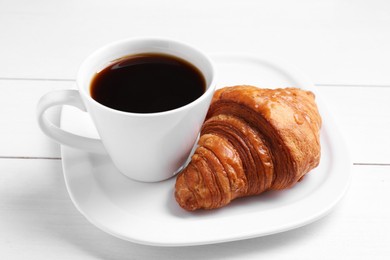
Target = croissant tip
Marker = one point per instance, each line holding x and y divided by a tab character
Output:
187	201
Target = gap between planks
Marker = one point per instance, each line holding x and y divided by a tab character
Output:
30	157
72	80
371	164
35	79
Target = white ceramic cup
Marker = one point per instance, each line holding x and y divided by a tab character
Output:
145	147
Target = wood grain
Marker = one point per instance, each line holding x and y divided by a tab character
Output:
335	42
39	221
362	115
342	45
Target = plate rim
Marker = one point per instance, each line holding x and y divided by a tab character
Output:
339	149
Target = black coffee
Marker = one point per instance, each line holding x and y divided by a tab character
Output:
147	83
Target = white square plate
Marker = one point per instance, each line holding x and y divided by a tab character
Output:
147	213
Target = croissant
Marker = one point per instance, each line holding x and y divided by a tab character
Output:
252	140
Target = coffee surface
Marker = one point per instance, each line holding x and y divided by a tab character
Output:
147	83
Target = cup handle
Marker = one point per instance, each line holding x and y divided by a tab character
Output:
59	98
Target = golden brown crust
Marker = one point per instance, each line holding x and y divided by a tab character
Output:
253	140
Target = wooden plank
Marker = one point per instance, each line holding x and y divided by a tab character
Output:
20	135
38	221
362	114
334	42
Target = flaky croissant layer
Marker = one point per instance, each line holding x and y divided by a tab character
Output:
253	140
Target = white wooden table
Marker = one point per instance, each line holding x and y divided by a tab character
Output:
344	46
